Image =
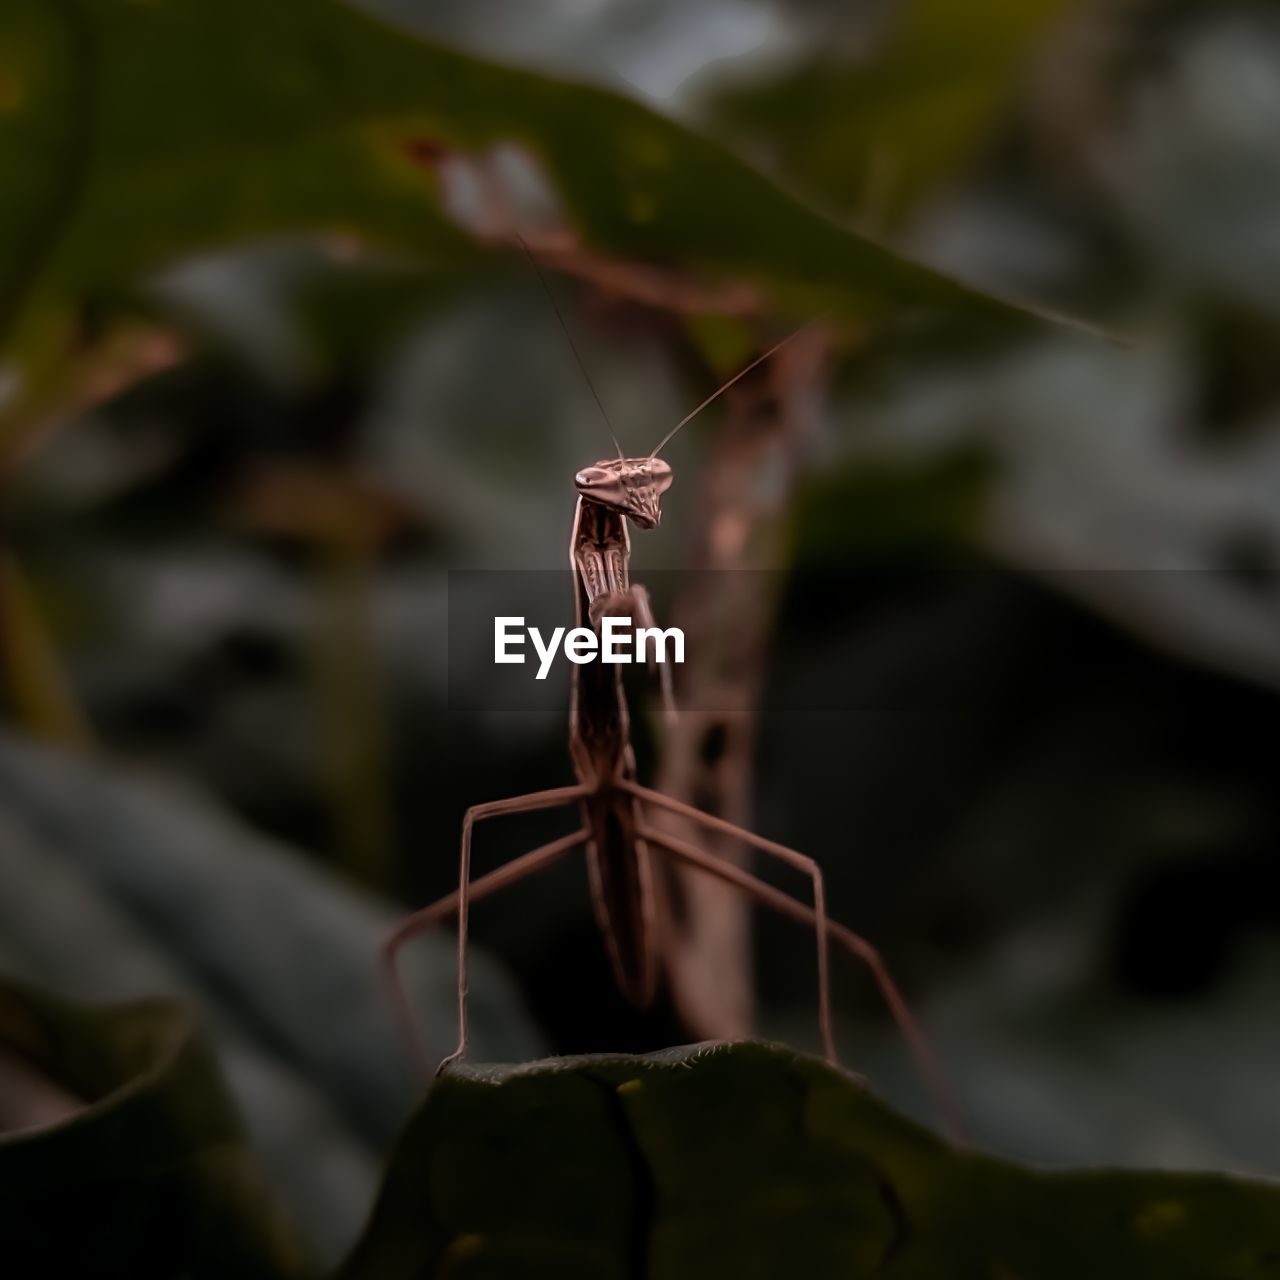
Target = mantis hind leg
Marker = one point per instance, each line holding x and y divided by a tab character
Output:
792	858
933	1077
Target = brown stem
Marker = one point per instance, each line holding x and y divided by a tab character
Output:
726	608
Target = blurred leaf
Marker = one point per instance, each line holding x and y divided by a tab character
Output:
751	1161
34	681
150	1176
288	946
874	136
890	510
132	133
114	886
725	342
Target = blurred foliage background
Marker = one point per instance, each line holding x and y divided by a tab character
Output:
273	368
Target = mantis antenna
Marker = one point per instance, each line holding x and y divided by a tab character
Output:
573	346
742	373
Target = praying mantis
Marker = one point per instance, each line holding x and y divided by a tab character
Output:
623	847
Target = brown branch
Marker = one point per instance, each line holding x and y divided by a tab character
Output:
726	609
477	194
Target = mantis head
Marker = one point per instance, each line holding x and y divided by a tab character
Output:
631	486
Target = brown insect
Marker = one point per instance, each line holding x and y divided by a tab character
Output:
621	845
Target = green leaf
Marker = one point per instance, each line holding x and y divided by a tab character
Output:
33	681
872	137
751	1161
133	132
162	892
136	1165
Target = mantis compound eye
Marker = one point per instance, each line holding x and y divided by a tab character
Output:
659	475
602	485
